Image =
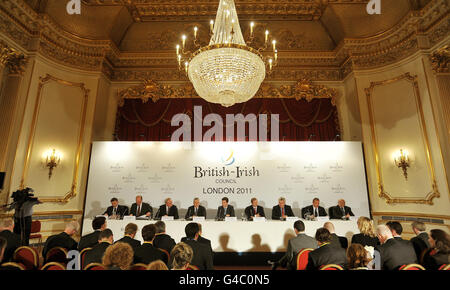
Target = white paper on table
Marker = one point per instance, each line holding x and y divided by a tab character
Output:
230	218
259	219
292	218
354	218
129	218
167	218
323	218
198	219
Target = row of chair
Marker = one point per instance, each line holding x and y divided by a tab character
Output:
302	262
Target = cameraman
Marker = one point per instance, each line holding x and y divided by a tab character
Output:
23	206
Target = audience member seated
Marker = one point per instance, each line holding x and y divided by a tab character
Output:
147	252
439	253
201	239
326	253
95	255
314	210
130	232
367	235
181	256
195	210
335	239
168	209
118	257
396	230
90	240
357	257
202	258
301	241
3	245
63	240
225	210
140	208
340	211
116	210
163	240
157	265
420	241
282	210
12	239
254	210
393	253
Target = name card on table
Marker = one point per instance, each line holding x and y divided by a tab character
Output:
198	219
230	218
292	218
129	218
259	219
167	218
323	218
354	218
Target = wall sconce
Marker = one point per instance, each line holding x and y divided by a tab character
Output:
402	161
52	160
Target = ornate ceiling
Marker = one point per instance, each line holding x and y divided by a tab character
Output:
135	39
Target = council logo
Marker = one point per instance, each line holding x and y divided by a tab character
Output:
228	159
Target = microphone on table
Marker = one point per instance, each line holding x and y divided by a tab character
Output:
336	137
310	137
157	214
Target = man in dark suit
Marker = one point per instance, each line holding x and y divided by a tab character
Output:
201	239
63	240
420	241
195	210
393	252
163	240
12	239
295	245
116	210
254	210
226	210
202	258
95	255
314	210
168	209
326	253
140	208
90	240
335	239
130	233
340	211
147	253
282	210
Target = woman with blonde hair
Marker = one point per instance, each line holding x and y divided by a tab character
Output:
157	265
181	256
118	257
367	236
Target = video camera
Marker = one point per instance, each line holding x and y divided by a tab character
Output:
23	195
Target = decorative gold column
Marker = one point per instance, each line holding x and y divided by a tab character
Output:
12	67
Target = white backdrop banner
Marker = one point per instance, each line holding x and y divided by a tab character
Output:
298	171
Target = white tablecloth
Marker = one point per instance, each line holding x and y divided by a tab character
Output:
239	236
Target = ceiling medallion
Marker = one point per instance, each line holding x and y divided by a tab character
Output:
228	70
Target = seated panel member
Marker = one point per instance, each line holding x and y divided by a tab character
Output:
313	210
225	210
168	209
254	210
115	209
340	211
140	208
195	210
282	210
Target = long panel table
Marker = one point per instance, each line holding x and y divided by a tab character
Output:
238	236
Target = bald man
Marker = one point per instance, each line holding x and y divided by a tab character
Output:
340	211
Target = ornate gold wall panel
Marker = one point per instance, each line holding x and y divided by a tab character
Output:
399	108
62	97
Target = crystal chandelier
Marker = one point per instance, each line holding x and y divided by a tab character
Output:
228	70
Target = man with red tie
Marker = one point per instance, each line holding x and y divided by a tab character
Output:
282	210
254	210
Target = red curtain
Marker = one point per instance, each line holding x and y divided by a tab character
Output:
299	120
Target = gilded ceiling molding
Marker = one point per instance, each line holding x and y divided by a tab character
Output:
151	90
440	60
13	59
